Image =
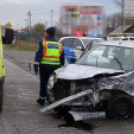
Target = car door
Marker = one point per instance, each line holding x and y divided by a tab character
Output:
67	47
77	52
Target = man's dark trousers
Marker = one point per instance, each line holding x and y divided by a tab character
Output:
45	73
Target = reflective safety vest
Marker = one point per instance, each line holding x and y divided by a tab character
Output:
52	52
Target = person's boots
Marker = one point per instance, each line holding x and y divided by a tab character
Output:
41	102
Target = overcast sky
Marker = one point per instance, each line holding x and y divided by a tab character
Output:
15	11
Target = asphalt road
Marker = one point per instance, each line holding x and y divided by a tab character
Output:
21	113
21	59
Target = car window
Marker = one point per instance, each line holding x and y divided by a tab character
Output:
109	38
92	44
131	38
113	51
67	42
76	43
125	39
115	39
95	42
98	51
86	41
62	42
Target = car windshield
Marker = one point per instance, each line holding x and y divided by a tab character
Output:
94	42
86	41
111	57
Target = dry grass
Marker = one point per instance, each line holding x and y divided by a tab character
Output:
20	45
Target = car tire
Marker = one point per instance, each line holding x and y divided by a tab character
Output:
62	109
119	107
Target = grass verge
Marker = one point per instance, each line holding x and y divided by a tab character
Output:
20	45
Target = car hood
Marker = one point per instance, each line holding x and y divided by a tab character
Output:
77	72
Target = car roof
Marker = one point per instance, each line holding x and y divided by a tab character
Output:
79	37
90	38
129	44
118	37
123	37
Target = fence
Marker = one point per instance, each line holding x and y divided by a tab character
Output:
34	37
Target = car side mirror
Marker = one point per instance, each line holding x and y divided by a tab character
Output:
79	48
73	60
7	35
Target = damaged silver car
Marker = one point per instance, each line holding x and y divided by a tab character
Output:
102	80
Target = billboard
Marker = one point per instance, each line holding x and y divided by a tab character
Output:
86	20
129	8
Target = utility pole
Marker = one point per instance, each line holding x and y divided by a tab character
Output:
122	12
25	25
51	16
18	26
29	21
45	24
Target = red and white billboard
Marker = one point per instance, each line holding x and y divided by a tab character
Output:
88	20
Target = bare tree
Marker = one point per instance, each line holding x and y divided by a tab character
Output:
118	3
118	18
113	21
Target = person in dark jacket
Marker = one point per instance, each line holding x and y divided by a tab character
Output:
49	56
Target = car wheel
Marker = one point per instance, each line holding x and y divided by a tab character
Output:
62	109
119	107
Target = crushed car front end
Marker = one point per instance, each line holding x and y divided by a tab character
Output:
102	80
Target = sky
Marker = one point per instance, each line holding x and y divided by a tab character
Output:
15	11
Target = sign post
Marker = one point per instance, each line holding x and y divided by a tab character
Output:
8	25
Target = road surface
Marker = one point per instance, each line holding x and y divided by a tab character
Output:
21	113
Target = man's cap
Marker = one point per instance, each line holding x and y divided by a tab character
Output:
51	31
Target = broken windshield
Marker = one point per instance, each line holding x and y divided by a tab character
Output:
111	57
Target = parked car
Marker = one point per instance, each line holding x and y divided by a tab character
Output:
128	39
123	38
74	46
102	80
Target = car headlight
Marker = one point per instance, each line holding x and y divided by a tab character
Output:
51	81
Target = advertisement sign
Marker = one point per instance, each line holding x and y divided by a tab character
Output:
88	20
129	8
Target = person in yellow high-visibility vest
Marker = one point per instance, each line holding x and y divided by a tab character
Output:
49	56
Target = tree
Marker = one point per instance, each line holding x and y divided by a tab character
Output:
113	21
59	32
118	3
39	28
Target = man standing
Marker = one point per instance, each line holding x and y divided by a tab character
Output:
49	56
